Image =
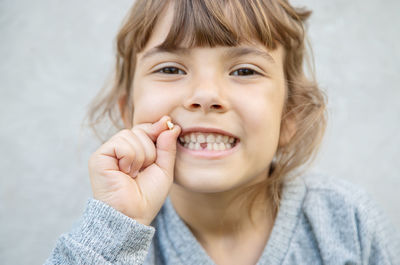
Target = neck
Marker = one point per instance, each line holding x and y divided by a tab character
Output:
212	216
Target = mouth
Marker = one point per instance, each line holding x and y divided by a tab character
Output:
207	139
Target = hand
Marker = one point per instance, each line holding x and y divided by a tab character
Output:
133	171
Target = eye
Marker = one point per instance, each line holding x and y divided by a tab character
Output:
244	72
170	70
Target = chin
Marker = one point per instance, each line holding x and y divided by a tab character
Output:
205	180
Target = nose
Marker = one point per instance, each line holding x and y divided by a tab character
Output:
206	97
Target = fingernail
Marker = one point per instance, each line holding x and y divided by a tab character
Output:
166	118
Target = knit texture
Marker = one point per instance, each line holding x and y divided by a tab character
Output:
322	220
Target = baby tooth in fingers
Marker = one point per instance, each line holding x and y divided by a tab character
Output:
170	125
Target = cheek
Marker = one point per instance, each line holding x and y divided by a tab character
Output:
261	110
151	102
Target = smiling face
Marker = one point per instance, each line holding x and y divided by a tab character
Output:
232	95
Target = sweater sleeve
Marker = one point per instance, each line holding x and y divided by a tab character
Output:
103	236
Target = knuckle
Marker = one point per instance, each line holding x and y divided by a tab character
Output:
140	131
121	134
127	151
126	132
137	131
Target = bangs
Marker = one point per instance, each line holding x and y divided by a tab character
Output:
218	23
211	23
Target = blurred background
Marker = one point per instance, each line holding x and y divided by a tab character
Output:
56	55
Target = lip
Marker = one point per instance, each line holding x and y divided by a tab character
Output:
207	130
207	154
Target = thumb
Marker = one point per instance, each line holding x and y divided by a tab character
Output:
166	149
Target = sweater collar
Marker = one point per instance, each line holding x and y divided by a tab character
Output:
176	239
293	195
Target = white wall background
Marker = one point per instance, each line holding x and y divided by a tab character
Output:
55	55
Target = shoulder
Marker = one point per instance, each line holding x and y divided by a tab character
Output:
338	212
338	200
322	183
323	190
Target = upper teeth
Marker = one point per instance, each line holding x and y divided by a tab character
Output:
206	138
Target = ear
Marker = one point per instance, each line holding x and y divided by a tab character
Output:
123	111
288	129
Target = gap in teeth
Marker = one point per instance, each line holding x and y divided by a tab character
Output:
209	141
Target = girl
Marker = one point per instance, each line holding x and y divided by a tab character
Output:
220	119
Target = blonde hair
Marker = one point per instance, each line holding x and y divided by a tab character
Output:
228	23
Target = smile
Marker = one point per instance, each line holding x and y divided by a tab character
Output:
207	141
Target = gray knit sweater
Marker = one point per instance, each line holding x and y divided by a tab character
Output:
321	220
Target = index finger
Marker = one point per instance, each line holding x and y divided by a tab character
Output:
153	130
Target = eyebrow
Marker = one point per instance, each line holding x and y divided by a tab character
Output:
231	52
242	51
156	50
